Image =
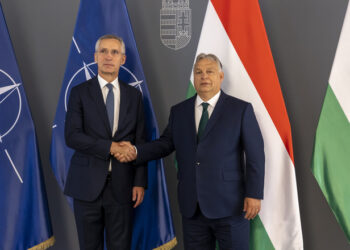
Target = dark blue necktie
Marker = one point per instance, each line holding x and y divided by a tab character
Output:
110	104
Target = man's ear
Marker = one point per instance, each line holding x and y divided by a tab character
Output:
222	75
95	57
124	59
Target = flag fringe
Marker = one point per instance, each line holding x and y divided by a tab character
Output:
167	246
44	245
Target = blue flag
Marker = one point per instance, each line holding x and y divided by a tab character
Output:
24	215
153	225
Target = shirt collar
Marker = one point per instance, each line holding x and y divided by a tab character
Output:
103	82
212	101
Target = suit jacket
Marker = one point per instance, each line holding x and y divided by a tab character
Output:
88	132
224	167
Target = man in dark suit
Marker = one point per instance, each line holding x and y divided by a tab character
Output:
101	112
220	156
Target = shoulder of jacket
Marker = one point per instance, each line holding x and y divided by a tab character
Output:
234	100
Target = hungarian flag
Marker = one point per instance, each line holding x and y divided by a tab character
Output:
234	31
331	158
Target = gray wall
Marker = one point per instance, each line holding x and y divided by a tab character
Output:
303	36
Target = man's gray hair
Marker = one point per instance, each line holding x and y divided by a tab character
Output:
211	57
110	36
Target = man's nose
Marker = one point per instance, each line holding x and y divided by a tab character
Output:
109	55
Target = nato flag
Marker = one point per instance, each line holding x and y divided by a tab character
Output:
153	225
24	215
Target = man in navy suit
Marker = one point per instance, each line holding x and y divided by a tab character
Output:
220	156
101	112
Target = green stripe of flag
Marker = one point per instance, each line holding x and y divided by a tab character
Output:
259	239
190	91
331	159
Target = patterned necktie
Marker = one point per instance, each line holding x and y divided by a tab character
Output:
110	105
204	120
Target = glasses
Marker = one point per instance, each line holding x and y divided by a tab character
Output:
113	52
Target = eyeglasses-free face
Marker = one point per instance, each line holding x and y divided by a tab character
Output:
109	58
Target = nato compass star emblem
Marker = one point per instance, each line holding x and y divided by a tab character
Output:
10	99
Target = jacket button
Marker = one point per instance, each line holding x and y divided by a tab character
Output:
197	163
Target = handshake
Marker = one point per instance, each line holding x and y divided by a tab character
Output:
123	151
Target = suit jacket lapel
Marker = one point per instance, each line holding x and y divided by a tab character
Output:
217	112
191	120
96	95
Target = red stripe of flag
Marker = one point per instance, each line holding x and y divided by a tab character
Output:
244	25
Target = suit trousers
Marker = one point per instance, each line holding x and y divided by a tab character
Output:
104	216
201	233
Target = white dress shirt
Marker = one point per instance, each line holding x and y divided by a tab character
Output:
116	92
198	108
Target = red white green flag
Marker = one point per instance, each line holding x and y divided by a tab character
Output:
234	31
331	159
